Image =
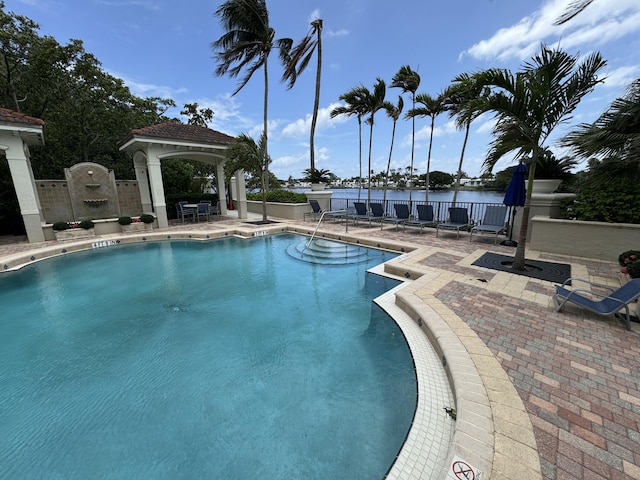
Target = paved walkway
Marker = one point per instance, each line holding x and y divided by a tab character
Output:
563	389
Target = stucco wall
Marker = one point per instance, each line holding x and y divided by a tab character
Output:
598	240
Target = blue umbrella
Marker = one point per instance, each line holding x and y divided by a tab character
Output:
515	197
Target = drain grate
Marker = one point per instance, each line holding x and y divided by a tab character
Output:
548	271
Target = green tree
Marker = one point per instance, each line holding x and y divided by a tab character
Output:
614	137
439	179
374	102
393	112
245	154
529	105
355	100
409	81
196	115
460	100
299	59
428	107
246	45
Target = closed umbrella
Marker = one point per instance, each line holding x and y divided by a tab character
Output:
515	197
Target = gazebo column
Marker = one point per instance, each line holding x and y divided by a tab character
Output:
220	186
157	189
140	166
240	193
20	167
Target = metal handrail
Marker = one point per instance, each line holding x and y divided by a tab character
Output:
320	221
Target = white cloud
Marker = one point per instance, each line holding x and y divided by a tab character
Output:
602	22
314	15
302	126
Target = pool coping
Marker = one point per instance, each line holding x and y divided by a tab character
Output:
493	432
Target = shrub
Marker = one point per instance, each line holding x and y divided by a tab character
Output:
280	196
58	226
146	218
625	258
633	269
124	220
86	224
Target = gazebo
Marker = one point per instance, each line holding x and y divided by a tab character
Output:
17	133
150	145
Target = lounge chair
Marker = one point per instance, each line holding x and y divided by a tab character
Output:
602	304
377	213
425	218
402	215
458	218
492	222
362	214
315	212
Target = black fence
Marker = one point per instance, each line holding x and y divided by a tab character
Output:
440	209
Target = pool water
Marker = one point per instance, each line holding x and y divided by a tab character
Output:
225	359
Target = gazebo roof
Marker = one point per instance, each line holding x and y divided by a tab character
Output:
177	133
29	128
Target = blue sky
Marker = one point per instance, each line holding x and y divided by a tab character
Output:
162	48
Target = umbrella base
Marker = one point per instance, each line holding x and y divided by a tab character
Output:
509	243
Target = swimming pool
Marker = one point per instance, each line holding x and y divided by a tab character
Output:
225	359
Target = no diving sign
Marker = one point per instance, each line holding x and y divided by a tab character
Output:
461	470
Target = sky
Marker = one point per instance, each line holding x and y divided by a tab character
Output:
163	48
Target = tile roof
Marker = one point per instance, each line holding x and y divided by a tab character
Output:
181	132
10	116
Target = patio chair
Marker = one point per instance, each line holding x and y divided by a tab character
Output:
377	213
215	210
492	222
458	219
315	212
204	211
360	213
601	304
402	215
425	218
184	212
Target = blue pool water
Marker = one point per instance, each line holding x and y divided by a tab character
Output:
228	359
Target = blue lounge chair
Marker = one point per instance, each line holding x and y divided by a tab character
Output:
425	218
492	222
458	218
402	215
602	304
315	212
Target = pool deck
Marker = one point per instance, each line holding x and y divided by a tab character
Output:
539	394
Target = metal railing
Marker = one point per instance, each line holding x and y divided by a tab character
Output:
440	209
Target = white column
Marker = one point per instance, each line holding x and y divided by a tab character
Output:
140	166
157	189
22	176
241	194
220	186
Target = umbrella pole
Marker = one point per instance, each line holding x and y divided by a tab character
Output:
510	242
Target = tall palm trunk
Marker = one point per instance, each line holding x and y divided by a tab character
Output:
359	155
519	257
426	194
413	141
464	146
386	176
369	169
316	101
265	180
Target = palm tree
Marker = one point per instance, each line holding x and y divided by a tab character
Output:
459	99
614	136
299	59
246	45
429	107
528	105
409	81
393	112
355	105
576	7
245	154
373	101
